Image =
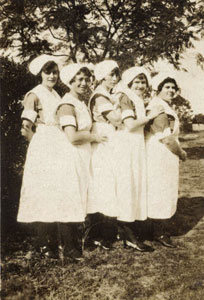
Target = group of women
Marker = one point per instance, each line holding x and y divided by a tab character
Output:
110	158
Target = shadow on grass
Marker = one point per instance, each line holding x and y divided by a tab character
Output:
18	238
195	152
189	212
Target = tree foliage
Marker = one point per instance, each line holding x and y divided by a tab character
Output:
132	30
15	80
184	111
198	119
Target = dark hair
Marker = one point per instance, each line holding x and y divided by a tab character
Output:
116	72
48	67
139	75
83	70
168	79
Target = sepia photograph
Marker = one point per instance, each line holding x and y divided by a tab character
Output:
102	149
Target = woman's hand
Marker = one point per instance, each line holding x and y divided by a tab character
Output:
97	138
183	155
114	118
26	130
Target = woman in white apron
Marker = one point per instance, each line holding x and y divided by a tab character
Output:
163	153
40	198
131	156
102	196
75	122
52	195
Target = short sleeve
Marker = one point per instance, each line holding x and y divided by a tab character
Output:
160	126
103	105
127	109
66	115
30	102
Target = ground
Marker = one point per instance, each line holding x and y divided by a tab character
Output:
122	274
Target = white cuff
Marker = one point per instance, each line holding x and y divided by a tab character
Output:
67	120
127	113
30	115
105	107
163	134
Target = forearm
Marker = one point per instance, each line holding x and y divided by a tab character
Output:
114	118
133	125
79	137
173	145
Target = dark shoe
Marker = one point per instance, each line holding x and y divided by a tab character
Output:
106	245
165	241
139	246
90	245
47	252
73	254
129	240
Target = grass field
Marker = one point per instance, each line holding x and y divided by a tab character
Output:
122	274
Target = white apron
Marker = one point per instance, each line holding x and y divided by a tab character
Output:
102	188
51	189
80	160
131	168
162	171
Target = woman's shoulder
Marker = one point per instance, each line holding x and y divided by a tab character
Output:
68	99
123	96
31	97
38	91
32	91
41	90
99	97
155	102
101	93
98	100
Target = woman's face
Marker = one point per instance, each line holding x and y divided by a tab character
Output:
80	84
139	85
49	79
111	80
168	91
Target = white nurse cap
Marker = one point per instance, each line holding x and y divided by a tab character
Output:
37	63
68	72
133	72
103	68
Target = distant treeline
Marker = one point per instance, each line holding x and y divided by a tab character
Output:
198	119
